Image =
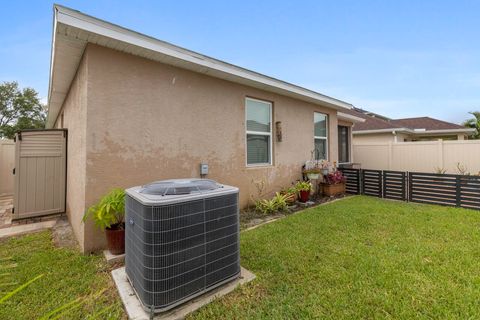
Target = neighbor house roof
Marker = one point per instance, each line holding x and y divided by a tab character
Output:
426	123
375	123
73	30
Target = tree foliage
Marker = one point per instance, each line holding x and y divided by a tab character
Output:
474	123
19	109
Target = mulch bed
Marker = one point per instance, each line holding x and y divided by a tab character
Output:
250	218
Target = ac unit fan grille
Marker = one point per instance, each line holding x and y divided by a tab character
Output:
176	251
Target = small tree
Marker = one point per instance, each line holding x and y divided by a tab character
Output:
19	109
474	123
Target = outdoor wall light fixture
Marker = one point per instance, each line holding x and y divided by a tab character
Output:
278	130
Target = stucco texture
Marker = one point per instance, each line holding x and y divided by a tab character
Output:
74	115
148	121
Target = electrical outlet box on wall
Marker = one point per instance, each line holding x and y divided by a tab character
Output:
203	168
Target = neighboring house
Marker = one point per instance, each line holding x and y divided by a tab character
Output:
138	109
378	128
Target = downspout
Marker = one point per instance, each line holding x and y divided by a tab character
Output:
394	136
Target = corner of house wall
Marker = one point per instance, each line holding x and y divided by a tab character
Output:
94	238
75	122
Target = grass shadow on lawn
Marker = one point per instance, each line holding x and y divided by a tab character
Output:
360	258
69	285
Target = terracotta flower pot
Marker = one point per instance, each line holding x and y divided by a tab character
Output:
116	239
304	195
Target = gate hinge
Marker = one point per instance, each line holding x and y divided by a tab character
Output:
13	209
13	171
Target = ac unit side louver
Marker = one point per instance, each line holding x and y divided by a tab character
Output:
182	239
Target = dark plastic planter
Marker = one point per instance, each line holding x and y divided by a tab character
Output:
116	239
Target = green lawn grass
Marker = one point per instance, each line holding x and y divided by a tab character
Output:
360	258
68	285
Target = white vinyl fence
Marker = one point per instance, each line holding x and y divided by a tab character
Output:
421	156
7	163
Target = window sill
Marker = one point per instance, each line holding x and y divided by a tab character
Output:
259	166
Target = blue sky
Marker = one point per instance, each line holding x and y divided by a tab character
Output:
400	59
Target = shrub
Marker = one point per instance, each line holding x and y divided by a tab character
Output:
303	186
277	203
440	170
109	211
335	178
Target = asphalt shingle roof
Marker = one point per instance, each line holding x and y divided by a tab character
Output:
375	123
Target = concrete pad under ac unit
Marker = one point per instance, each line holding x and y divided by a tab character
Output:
136	312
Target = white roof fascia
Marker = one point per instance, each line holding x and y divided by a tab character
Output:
213	67
392	130
52	53
466	130
349	117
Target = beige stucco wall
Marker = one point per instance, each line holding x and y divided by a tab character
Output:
74	119
149	121
344	123
131	121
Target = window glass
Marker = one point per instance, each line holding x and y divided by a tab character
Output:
320	124
258	147
320	149
259	132
258	116
320	136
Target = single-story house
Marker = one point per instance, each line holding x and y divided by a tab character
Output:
138	109
380	129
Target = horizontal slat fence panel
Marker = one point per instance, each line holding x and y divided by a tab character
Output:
394	185
353	184
372	183
469	192
433	188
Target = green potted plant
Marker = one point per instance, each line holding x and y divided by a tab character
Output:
312	173
334	184
324	166
108	214
304	188
290	195
313	168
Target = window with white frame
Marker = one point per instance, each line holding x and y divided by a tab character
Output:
259	132
320	136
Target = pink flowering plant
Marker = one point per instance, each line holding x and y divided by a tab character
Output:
335	178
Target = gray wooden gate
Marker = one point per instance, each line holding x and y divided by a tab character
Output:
40	173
